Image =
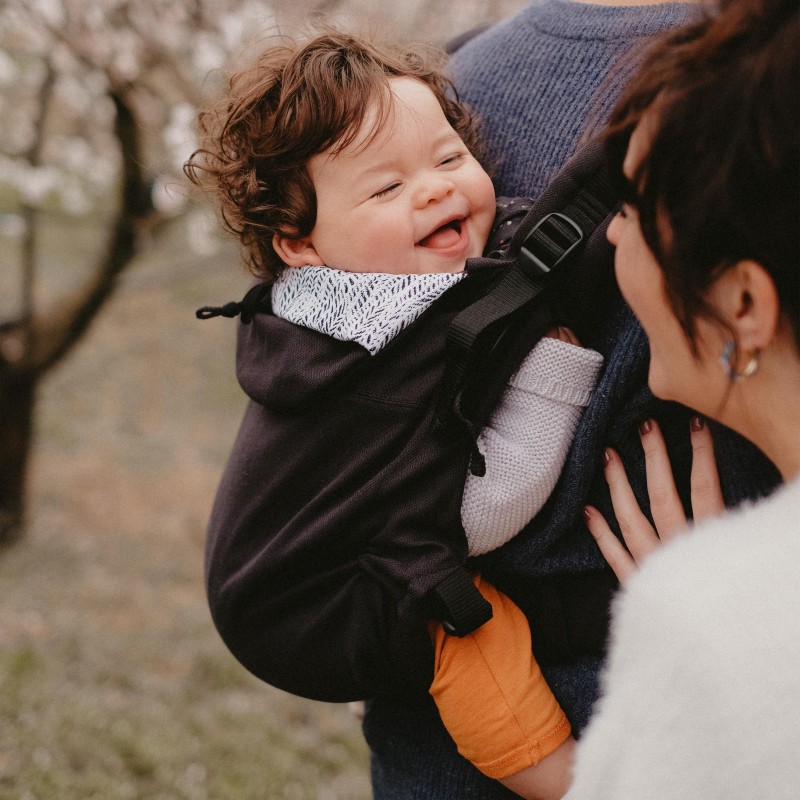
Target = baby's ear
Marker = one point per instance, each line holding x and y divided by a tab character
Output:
296	252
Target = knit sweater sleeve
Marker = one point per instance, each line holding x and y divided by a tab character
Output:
526	442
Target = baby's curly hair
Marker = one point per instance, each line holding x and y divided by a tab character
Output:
297	100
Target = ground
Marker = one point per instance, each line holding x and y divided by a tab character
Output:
114	682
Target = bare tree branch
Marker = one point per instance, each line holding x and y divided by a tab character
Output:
30	214
58	329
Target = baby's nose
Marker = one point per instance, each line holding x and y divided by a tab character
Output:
433	189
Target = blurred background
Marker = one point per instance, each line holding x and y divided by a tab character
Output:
118	408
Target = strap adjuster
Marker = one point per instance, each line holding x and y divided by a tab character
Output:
459	605
552	239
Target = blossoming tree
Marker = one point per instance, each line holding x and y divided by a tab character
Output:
97	106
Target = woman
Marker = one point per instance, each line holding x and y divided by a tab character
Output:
702	687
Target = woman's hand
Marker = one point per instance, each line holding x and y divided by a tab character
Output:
641	538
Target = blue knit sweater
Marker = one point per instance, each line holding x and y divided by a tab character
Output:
539	81
542	79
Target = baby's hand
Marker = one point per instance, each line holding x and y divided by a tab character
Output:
564	334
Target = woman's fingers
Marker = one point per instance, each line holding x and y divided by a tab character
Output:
707	500
640	536
665	504
618	558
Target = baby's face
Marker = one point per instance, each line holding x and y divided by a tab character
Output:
412	199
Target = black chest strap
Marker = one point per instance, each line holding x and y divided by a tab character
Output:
546	244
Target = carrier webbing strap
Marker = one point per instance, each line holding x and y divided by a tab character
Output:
538	248
460	606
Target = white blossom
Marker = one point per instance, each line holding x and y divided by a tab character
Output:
74	154
169	195
201	228
179	134
19	136
35	184
9	71
73	197
208	54
50	11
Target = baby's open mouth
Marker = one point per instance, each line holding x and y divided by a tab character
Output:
445	236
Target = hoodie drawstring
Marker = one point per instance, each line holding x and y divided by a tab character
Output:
250	304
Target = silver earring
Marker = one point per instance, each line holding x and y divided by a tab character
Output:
726	359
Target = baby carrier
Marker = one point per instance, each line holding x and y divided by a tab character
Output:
336	535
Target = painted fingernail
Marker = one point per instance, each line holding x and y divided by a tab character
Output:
697	423
645	426
606	457
587	514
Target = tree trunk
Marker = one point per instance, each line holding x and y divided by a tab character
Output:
32	344
17	399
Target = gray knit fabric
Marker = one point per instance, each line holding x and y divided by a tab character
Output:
526	442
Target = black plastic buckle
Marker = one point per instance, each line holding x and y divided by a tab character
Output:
552	239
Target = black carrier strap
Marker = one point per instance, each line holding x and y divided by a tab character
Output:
544	245
459	605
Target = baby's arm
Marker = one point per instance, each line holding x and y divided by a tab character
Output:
496	705
527	439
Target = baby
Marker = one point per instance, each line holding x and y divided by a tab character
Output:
348	172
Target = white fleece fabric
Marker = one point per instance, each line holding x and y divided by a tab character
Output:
701	693
529	434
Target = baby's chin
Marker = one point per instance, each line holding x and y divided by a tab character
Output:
437	263
435	266
444	269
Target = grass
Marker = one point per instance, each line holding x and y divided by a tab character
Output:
114	683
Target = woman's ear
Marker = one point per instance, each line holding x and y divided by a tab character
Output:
748	300
296	252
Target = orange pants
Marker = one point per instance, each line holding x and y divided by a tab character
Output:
491	694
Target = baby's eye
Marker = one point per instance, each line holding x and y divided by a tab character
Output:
387	190
453	158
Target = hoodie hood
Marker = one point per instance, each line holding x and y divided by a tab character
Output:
283	366
319	325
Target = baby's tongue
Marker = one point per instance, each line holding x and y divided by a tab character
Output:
446	236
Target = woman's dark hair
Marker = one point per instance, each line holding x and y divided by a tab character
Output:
295	101
720	179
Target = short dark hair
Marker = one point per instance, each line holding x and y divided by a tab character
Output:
297	100
720	181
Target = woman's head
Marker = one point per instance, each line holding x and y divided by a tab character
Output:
299	100
705	142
